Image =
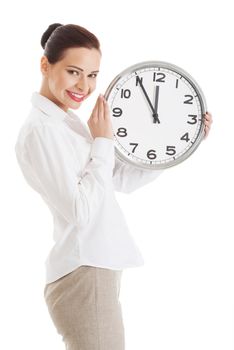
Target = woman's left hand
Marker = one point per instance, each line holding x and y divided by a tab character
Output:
208	120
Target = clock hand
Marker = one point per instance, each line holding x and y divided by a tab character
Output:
147	97
155	115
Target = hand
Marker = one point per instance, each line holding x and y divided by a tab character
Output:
99	122
208	120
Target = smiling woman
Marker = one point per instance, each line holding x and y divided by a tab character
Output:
75	171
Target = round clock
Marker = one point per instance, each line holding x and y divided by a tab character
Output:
157	112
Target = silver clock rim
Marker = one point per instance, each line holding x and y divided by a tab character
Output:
201	97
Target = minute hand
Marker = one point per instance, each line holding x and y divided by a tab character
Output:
147	97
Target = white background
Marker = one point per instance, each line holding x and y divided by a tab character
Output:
182	298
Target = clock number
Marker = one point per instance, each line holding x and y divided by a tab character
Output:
189	100
171	149
117	112
137	80
121	132
151	154
125	93
194	118
135	144
185	137
159	79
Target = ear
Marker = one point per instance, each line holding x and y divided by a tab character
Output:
44	65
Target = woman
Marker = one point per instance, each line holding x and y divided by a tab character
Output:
73	168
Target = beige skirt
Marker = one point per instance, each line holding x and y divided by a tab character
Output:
85	308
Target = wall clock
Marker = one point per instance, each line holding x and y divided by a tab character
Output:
157	111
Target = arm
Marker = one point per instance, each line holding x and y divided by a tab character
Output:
52	160
127	178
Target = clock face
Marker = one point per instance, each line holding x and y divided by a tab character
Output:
156	110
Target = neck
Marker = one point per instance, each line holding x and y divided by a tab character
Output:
45	91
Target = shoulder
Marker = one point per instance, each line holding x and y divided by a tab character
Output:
38	123
40	129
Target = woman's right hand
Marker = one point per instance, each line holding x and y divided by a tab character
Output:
99	122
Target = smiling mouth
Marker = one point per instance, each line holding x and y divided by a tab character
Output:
75	96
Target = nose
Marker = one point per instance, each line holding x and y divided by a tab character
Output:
83	84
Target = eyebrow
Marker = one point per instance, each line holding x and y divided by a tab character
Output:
95	71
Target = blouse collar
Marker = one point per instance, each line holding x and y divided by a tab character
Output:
48	107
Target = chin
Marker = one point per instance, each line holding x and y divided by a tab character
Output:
77	107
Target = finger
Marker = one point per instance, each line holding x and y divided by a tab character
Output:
207	120
106	109
96	103
208	116
101	108
96	110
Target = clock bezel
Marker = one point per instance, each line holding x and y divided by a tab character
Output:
162	64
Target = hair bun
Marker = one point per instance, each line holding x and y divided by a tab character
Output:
48	33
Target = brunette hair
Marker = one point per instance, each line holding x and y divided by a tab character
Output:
58	37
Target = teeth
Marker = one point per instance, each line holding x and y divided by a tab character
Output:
77	95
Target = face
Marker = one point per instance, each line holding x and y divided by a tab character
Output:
76	74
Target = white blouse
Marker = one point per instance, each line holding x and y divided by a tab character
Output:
76	176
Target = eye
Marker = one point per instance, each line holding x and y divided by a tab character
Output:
71	71
94	75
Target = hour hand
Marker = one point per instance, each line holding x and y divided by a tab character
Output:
155	115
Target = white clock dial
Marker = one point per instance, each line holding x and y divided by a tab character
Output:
156	115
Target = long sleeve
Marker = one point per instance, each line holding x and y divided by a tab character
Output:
127	178
75	193
73	174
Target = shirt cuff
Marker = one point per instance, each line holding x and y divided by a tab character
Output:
103	149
